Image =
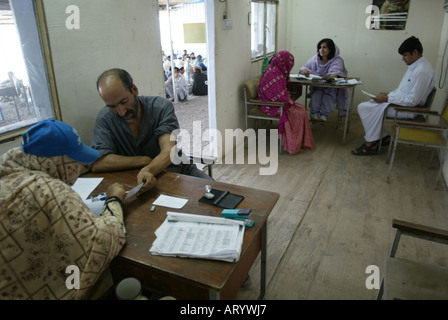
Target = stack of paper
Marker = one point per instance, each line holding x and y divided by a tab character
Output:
301	76
84	186
342	81
197	236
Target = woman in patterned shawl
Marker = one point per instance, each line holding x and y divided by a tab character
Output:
294	125
45	227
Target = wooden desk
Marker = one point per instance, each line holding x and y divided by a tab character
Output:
295	90
307	83
186	278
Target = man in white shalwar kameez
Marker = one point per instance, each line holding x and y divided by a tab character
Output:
180	84
413	90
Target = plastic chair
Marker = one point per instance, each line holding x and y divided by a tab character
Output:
430	134
426	106
414	280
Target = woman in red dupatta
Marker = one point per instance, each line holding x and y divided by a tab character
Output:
294	124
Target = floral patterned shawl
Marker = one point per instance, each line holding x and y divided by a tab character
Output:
46	227
273	85
293	125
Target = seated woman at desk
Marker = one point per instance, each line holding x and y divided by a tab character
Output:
294	125
328	64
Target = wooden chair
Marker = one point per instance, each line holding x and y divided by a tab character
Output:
426	106
430	134
409	279
251	105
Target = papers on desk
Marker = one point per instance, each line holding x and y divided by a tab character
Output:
337	81
301	76
197	236
170	202
84	187
342	81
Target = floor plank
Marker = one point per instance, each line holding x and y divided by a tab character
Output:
333	218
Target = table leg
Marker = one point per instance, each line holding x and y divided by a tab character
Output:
264	233
214	295
349	114
306	97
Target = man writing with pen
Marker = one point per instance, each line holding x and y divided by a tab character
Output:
134	131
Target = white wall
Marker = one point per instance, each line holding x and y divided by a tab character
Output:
113	33
233	67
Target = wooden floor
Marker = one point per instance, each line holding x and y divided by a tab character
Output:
333	218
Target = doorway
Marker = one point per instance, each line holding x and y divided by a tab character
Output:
185	39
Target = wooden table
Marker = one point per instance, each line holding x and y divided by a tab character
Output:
186	278
350	87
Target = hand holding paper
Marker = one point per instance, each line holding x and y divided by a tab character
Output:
368	94
134	191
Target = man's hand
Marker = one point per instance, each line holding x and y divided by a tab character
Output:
148	179
116	190
158	164
381	98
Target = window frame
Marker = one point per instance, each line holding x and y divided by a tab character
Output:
47	64
265	9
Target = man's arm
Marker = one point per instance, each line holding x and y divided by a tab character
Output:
115	162
158	164
415	93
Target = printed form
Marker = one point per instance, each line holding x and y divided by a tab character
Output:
197	236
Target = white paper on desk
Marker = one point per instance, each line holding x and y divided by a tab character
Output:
368	94
198	236
95	206
354	81
170	202
84	187
341	81
310	77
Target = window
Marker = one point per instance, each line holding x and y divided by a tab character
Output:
263	28
24	87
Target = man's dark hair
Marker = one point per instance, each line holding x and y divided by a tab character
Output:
124	76
330	45
409	45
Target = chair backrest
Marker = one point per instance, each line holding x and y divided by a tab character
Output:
251	88
430	98
445	113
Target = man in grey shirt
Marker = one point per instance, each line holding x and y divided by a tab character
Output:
134	131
